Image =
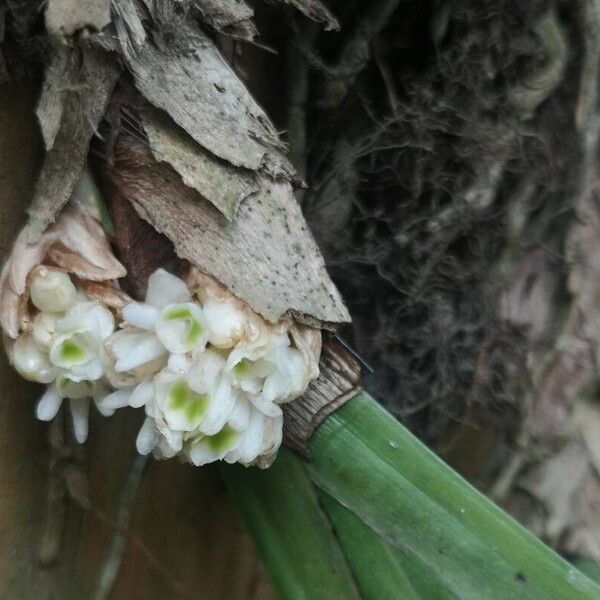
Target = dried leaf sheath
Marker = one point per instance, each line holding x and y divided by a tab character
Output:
230	125
266	256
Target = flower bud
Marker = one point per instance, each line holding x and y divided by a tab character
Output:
51	290
226	323
43	329
30	362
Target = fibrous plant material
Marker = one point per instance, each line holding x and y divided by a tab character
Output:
453	170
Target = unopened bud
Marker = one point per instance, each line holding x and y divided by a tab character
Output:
51	290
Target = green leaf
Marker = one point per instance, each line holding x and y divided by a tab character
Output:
378	572
381	571
590	567
291	532
375	467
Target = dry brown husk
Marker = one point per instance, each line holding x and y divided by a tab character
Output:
265	255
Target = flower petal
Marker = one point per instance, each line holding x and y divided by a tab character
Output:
141	315
205	372
181	327
164	289
146	350
240	415
252	441
147	438
265	406
184	409
100	392
80	409
115	400
221	405
141	394
214	447
48	405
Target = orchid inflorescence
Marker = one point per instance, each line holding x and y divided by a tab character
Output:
208	371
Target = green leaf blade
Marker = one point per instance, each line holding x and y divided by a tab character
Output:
292	534
372	465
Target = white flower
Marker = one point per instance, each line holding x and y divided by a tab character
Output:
51	290
78	339
182	328
272	373
132	355
248	437
167	322
289	378
78	393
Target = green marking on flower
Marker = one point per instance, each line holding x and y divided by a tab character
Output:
182	399
242	367
183	313
194	332
221	440
71	352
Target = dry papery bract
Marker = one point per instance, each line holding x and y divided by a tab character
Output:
75	244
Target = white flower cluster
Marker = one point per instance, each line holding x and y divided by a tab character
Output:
63	347
209	373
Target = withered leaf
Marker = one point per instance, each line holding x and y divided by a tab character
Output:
69	120
192	82
216	180
129	26
65	17
56	85
266	256
229	16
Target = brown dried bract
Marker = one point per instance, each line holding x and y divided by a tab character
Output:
75	243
